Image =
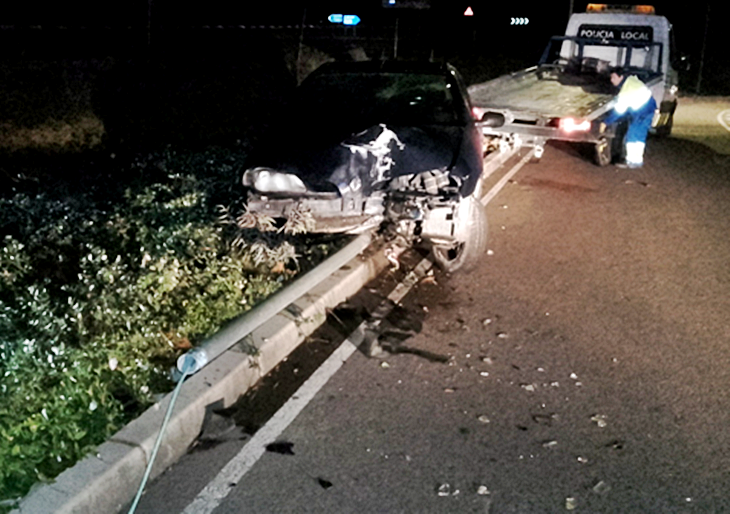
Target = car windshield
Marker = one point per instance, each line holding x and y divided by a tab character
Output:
390	98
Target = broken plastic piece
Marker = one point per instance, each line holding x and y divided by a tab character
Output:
392	258
444	490
600	420
601	487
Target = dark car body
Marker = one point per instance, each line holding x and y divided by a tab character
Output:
373	141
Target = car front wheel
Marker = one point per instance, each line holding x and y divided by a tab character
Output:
466	254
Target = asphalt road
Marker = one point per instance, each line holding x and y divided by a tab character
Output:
588	365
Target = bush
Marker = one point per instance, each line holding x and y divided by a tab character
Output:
101	289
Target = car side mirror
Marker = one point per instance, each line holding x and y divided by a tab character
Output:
492	119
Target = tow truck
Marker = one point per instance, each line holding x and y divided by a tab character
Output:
568	93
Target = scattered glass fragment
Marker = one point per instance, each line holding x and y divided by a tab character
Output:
449	390
601	487
482	490
570	503
502	335
600	420
483	419
444	490
549	444
582	460
528	387
384	365
484	373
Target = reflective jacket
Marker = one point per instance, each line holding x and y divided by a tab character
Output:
633	95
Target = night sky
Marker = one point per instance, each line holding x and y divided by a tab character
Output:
490	24
548	16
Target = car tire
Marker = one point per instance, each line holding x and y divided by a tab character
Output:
465	255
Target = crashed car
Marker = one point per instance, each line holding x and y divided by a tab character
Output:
379	144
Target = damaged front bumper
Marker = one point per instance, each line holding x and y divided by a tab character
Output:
330	213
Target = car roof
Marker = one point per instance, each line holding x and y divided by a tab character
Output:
367	67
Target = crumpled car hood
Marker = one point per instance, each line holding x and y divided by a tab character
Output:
369	158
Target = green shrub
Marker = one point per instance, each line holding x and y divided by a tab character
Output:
102	289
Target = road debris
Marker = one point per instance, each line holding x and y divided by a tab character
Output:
570	503
582	460
544	419
616	445
445	490
639	182
392	256
482	490
601	487
600	420
484	419
280	447
528	387
549	444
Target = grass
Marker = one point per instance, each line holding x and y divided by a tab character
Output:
103	286
122	243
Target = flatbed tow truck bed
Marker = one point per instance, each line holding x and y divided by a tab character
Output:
526	95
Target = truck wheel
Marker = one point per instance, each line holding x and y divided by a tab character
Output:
665	130
604	151
465	255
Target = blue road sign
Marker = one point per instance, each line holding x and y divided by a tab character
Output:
335	18
351	19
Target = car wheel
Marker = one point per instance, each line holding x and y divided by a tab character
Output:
465	255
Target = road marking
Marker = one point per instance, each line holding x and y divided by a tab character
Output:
724	119
499	185
216	491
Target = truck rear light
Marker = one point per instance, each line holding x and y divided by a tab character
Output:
571	125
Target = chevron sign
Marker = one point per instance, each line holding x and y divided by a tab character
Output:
519	21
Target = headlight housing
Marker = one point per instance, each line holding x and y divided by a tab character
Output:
267	180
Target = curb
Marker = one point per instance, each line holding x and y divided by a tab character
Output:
108	480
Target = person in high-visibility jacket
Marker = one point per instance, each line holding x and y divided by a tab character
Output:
635	101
